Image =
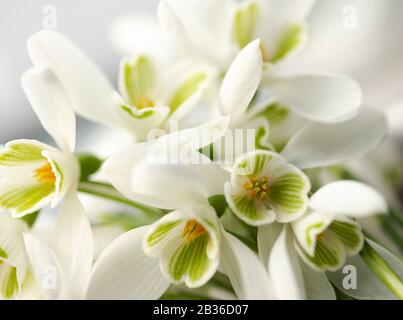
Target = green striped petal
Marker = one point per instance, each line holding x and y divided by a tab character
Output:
161	232
291	39
329	253
8	281
190	263
248	209
263	184
23	199
349	233
245	21
252	163
137	81
288	193
308	228
20	153
187	242
186	90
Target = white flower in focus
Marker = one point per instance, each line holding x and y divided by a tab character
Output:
34	174
265	188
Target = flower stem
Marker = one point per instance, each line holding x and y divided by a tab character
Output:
107	191
382	270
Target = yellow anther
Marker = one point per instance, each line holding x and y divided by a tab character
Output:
193	230
45	174
145	102
257	187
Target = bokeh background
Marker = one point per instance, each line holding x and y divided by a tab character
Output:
372	53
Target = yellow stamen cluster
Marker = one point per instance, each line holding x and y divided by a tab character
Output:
258	187
45	174
193	230
145	102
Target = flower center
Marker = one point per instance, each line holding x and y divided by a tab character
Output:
145	102
257	187
193	230
45	174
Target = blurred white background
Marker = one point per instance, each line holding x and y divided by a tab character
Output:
372	53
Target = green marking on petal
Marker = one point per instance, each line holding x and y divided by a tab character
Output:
190	259
311	229
143	115
254	164
10	284
161	232
245	23
20	153
329	253
60	172
288	193
3	253
275	113
138	80
348	233
24	198
290	40
246	206
186	90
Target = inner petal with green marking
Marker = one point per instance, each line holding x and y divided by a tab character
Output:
188	249
137	82
8	281
28	177
332	242
265	188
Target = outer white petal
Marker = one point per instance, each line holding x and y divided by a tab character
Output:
317	286
368	287
241	81
52	104
123	271
320	145
284	269
319	97
46	266
88	87
198	27
247	274
136	34
348	198
74	246
120	167
267	236
171	186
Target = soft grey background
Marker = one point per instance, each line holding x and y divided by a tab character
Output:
372	53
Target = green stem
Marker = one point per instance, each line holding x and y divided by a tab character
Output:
107	191
382	270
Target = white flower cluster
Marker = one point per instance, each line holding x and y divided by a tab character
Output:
233	199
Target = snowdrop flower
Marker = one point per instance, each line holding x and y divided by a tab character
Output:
265	188
189	242
215	32
14	264
151	93
34	174
63	266
298	254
